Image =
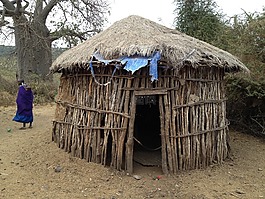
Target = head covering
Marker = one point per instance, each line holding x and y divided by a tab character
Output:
20	81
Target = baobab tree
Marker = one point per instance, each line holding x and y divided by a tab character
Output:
37	23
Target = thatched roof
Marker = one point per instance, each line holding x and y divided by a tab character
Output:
137	35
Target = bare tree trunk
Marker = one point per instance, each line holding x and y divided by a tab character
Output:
33	49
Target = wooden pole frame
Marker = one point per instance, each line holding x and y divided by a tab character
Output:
192	103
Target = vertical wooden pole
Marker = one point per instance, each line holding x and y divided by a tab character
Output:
163	139
124	123
129	144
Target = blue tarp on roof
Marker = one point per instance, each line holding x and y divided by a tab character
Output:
134	63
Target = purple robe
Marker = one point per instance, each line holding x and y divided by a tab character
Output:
24	101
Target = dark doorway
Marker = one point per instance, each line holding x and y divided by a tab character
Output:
147	138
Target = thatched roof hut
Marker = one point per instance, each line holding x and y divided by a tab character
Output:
139	85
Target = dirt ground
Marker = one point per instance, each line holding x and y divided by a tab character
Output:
31	166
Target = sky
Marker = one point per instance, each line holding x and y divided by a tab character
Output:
161	11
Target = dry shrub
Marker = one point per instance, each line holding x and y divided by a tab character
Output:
246	104
44	91
6	99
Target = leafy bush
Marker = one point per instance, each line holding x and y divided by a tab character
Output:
246	104
44	92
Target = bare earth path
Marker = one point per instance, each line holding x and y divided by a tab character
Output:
28	159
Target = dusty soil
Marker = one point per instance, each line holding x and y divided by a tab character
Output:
31	166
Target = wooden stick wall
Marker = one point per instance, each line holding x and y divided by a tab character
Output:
97	122
91	120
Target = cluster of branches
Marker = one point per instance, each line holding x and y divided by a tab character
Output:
71	20
198	18
39	24
242	35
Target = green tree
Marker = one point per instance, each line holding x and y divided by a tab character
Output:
198	18
244	36
37	24
249	35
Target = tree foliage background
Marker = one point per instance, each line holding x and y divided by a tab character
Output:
198	18
36	24
243	35
246	39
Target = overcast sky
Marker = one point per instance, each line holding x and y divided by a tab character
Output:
161	11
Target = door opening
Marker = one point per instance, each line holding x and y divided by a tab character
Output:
147	136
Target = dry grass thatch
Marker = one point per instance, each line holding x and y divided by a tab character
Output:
137	35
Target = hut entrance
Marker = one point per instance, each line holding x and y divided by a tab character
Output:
147	138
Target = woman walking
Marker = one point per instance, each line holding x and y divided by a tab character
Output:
24	102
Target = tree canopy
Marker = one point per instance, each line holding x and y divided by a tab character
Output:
198	18
38	23
243	35
72	20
